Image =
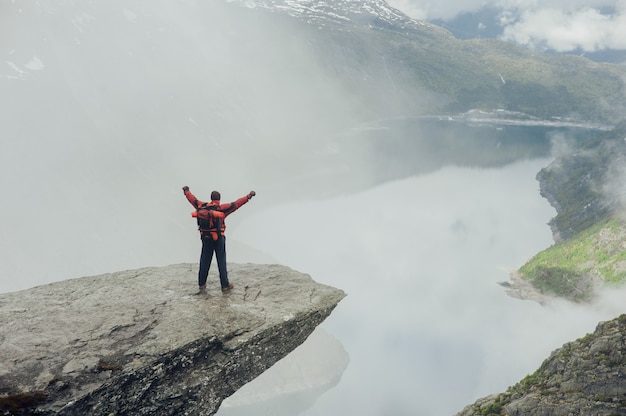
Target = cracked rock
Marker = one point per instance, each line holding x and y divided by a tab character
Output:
143	342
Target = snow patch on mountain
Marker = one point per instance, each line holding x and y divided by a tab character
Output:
357	12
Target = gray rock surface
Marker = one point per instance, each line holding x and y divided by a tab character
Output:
142	342
586	377
520	288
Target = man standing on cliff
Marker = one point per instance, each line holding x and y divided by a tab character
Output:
211	216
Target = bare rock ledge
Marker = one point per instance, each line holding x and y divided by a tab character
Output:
586	377
142	342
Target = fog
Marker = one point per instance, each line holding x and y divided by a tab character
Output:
558	25
426	325
614	190
108	108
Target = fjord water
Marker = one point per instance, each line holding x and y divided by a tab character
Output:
425	325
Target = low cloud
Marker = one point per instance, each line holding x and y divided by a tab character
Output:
584	29
561	145
614	189
557	25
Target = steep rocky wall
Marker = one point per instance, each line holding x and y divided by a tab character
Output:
584	186
142	342
586	377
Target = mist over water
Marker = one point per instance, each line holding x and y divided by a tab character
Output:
427	327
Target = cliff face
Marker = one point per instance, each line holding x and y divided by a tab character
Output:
584	377
142	342
585	186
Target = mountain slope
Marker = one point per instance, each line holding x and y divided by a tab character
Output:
584	185
584	377
418	62
586	189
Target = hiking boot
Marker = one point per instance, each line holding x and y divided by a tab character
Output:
227	288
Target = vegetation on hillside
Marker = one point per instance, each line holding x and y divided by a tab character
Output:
589	225
571	268
423	69
488	74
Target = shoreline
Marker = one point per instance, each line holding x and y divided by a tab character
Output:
519	288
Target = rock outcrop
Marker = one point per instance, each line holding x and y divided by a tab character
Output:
586	377
585	186
142	342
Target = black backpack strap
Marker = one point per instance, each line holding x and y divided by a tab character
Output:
202	225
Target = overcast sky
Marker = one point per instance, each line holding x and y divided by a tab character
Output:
561	25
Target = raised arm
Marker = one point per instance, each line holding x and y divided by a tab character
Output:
191	197
233	206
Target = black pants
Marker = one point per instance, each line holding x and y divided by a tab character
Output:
206	256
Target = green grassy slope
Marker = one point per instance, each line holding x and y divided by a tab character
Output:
586	187
572	267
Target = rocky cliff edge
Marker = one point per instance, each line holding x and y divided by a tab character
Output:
142	342
586	377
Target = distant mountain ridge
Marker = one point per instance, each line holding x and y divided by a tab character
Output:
385	53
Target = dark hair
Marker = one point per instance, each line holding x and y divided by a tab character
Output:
215	196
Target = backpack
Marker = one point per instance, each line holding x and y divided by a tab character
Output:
206	221
209	221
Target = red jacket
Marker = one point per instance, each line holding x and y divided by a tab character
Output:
225	209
